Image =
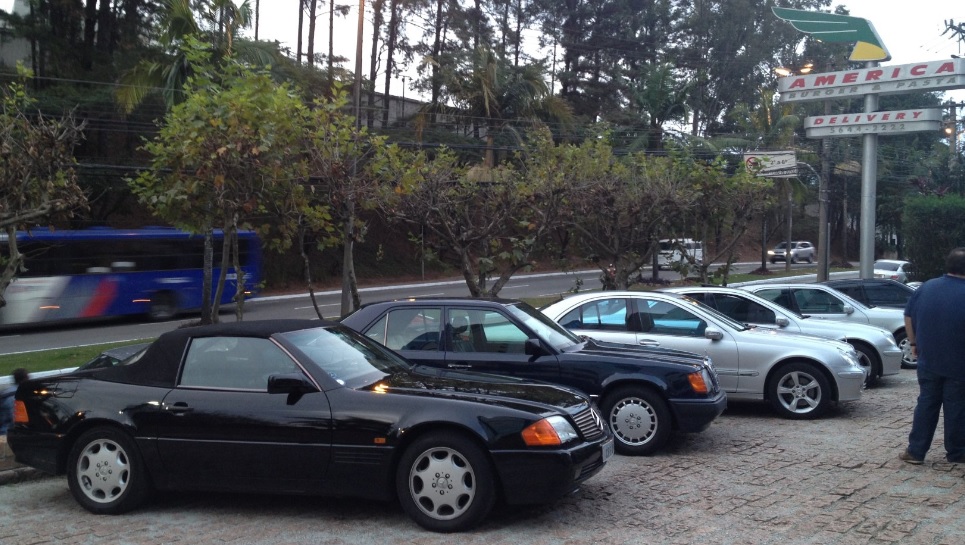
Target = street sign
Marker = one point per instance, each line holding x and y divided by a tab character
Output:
771	164
892	122
880	80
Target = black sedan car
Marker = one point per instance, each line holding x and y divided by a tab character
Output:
306	407
644	392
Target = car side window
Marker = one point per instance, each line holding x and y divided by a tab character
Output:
408	329
602	315
779	296
817	302
744	310
887	295
854	292
233	363
473	330
669	319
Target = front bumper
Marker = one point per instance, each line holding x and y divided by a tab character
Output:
890	361
850	384
542	476
695	415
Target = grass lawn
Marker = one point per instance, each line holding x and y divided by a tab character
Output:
49	360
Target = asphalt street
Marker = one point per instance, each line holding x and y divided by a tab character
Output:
752	478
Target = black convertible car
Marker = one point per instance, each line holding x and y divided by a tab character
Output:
644	392
306	407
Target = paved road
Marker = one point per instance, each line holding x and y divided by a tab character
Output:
752	478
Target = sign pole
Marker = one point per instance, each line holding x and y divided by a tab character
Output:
869	180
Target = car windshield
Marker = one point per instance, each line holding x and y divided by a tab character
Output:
548	331
781	246
351	359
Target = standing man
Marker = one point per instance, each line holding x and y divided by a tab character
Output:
935	325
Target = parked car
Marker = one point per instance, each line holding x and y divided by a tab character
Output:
800	250
895	269
683	250
306	407
113	356
874	292
644	393
877	348
826	303
800	375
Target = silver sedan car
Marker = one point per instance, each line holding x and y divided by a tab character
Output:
877	347
826	303
800	375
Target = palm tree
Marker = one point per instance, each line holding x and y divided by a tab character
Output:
216	22
489	88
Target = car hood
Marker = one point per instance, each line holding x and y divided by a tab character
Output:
535	397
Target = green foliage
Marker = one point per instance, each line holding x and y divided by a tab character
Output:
38	181
932	226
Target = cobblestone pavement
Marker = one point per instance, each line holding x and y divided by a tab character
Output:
750	478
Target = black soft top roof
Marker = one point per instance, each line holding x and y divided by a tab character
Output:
160	363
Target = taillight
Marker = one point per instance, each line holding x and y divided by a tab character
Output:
20	413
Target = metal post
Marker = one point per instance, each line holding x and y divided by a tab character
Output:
869	180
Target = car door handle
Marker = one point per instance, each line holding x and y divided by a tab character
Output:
459	366
179	408
649	342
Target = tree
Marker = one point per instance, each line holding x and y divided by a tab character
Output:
486	222
227	157
342	162
621	206
38	181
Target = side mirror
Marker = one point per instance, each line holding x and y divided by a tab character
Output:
847	309
290	383
781	321
713	334
534	347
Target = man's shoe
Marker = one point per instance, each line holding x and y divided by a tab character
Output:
959	460
909	459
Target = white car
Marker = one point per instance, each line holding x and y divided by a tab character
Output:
800	375
894	269
800	250
826	303
877	346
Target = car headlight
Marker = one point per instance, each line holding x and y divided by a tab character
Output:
550	431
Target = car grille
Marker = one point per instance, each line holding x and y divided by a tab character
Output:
590	424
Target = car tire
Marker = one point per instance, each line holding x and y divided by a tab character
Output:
869	359
908	361
793	259
799	391
445	482
639	418
810	258
164	306
105	473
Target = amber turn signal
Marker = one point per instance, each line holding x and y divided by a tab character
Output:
698	383
541	434
20	413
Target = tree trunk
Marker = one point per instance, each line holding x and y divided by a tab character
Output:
206	277
311	32
377	9
393	36
14	260
301	28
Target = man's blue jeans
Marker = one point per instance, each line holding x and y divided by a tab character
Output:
936	391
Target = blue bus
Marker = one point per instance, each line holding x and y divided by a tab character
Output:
101	272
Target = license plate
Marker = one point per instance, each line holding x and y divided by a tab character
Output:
607	450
